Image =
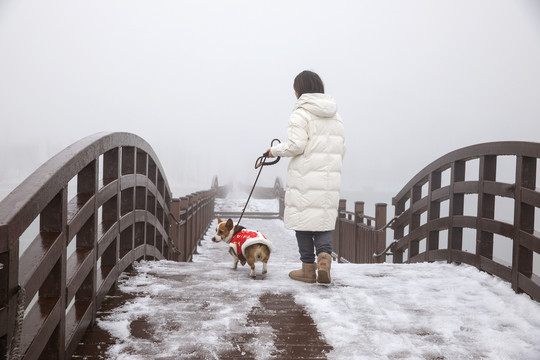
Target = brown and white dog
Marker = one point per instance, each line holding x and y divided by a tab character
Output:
244	245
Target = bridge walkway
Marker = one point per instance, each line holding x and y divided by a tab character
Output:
206	310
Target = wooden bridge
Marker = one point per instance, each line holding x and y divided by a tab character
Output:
75	225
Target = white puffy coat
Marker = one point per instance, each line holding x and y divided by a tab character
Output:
316	143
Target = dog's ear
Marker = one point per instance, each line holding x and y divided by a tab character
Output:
229	225
219	221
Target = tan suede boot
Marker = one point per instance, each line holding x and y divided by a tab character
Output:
306	274
324	263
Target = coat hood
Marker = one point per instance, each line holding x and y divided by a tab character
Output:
321	105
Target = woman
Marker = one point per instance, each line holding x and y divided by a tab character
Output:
316	144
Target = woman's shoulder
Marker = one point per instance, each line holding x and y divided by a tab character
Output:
299	117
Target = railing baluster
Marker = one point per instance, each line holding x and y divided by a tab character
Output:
455	234
379	241
434	213
523	220
486	207
359	243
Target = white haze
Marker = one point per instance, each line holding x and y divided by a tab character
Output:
209	83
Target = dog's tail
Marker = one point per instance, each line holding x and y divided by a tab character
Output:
261	254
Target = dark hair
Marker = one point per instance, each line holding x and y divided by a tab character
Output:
308	82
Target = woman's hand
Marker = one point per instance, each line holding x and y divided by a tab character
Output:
270	153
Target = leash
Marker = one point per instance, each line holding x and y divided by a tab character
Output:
260	163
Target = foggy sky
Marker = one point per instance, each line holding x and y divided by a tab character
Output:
209	83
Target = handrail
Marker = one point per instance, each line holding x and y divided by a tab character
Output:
412	205
388	224
385	251
118	214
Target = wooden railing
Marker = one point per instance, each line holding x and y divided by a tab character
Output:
191	215
119	212
427	207
357	237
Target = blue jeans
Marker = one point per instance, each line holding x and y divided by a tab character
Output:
321	241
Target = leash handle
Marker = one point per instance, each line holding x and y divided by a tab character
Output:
259	163
261	160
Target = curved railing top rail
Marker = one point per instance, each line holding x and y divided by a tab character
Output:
529	149
35	192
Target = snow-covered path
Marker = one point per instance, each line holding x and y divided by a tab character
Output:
385	311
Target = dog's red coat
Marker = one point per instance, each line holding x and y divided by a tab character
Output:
240	238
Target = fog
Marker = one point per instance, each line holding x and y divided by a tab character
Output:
209	83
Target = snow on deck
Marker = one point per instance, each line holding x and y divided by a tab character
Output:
383	311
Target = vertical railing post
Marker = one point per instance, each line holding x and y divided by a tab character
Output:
87	186
189	228
208	209
486	208
204	202
129	200
359	243
199	217
457	203
380	222
111	209
434	213
53	220
207	213
193	215
399	208
11	291
341	215
175	227
9	274
522	259
212	207
184	205
414	221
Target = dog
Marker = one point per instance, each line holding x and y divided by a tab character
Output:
244	245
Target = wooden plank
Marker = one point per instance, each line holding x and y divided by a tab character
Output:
494	268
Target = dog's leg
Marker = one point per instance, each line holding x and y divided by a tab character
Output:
264	271
252	272
235	259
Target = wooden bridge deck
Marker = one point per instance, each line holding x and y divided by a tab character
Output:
297	336
205	310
